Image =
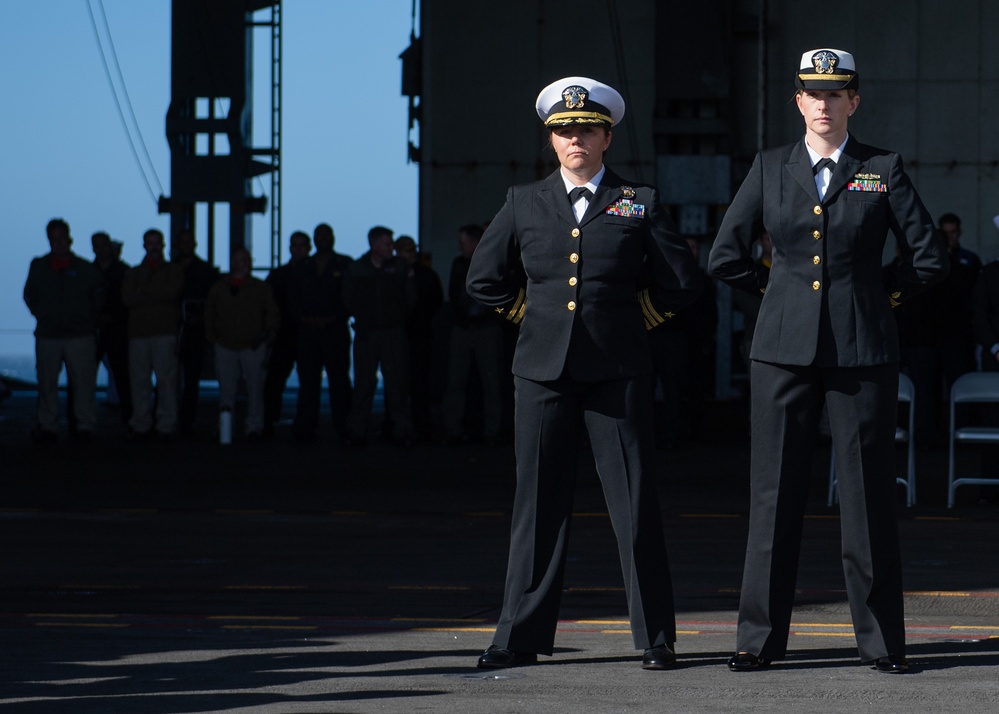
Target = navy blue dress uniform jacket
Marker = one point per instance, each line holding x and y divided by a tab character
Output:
825	301
592	289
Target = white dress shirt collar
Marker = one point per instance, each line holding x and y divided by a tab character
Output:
591	184
580	206
823	177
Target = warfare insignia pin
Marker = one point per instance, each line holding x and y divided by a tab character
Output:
627	192
574	96
825	62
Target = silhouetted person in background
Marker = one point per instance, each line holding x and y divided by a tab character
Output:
986	315
112	324
379	293
66	294
282	360
199	277
420	333
241	321
950	225
936	340
683	351
475	342
151	291
323	335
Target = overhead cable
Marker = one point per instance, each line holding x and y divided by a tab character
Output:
118	103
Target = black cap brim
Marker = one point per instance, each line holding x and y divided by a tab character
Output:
805	79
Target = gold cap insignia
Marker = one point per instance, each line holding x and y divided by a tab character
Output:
574	96
825	62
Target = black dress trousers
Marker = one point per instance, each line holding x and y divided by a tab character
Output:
550	418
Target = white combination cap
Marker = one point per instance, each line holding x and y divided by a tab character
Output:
826	68
579	100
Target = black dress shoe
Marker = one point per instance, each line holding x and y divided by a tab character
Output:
746	662
659	657
891	665
498	658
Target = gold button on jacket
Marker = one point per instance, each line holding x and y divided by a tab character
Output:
603	335
848	231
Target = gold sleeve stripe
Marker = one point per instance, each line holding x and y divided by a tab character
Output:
518	317
516	312
652	317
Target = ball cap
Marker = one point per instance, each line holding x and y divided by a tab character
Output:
827	68
579	100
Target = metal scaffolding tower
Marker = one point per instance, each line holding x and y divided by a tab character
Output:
209	124
276	134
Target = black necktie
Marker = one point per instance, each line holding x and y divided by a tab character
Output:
822	163
577	193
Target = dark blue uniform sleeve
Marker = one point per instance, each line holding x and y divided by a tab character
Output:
495	277
731	259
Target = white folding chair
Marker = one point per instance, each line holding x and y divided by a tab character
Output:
971	388
906	394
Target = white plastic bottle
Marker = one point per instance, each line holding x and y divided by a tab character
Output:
225	426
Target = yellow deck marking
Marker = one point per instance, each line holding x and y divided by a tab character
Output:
454	629
436	619
939	593
267	618
269	627
82	624
68	614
